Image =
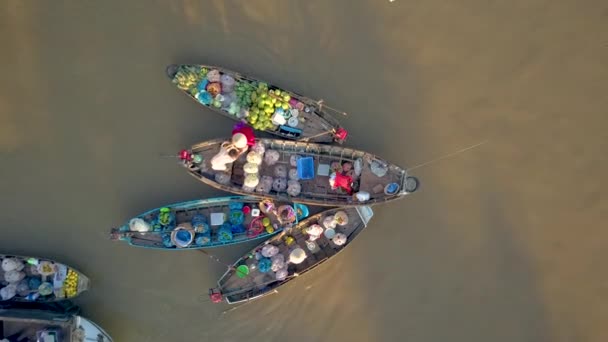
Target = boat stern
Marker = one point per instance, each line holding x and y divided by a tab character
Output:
84	283
215	295
340	135
365	213
409	184
171	70
117	235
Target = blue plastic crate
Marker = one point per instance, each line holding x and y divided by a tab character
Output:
306	168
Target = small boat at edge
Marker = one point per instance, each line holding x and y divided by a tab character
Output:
26	324
31	279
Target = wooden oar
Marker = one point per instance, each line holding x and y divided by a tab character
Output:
331	131
321	105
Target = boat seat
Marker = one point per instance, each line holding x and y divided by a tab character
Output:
321	254
237	175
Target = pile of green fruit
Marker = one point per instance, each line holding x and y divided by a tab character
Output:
243	91
264	104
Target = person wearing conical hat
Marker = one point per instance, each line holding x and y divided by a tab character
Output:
245	130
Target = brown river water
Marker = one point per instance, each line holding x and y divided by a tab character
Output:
505	242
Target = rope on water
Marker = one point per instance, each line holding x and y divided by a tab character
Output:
214	258
447	155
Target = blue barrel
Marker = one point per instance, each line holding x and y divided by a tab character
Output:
202	239
200	224
224	234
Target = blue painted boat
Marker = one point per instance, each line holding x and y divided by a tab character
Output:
209	223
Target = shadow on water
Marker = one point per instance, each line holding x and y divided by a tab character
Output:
437	276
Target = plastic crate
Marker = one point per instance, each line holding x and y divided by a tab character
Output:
306	168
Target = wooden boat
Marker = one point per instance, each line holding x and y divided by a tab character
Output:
29	279
337	176
260	272
256	102
20	324
209	223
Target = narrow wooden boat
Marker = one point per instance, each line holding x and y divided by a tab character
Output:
18	324
209	223
30	279
290	254
261	105
316	174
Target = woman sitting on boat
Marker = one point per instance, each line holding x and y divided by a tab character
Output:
242	139
229	152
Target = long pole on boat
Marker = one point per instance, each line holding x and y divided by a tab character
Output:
232	293
322	104
318	135
214	258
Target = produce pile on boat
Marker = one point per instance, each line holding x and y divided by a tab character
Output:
32	279
264	107
274	258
